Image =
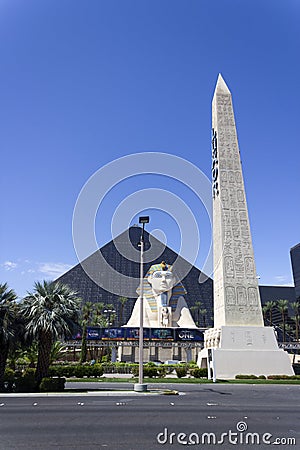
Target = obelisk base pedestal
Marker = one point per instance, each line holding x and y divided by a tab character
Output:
231	351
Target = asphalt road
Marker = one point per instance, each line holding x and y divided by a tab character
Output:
147	421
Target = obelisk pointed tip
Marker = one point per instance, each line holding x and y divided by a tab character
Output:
221	86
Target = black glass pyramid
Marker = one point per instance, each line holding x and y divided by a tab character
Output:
95	282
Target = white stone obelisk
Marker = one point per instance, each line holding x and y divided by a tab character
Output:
239	343
236	294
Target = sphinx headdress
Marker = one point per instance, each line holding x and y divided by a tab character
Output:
177	290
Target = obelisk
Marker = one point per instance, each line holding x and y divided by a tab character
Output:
239	343
236	294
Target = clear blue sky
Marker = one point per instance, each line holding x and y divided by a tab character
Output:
83	83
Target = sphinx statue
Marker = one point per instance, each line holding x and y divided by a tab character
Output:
164	303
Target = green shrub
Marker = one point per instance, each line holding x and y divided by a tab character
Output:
52	384
94	371
9	378
192	365
61	371
162	371
169	368
181	371
283	377
261	377
9	375
199	372
54	371
67	371
150	371
135	370
246	377
80	371
26	383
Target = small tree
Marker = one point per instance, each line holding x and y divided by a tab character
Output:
97	314
123	301
196	311
296	308
203	313
265	311
269	307
49	312
282	306
86	318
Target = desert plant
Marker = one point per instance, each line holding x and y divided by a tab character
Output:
49	312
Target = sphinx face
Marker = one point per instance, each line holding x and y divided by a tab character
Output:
161	281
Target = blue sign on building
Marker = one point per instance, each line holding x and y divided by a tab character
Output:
188	334
112	334
165	334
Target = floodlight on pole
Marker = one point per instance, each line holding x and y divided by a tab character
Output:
140	386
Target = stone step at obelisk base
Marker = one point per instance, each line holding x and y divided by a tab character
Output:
239	343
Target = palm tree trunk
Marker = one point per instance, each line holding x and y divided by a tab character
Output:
44	356
3	359
83	352
121	315
283	321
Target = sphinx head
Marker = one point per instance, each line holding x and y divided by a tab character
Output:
161	278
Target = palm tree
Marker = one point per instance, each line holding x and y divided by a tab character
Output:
49	311
193	310
57	351
85	320
289	331
282	306
31	354
8	312
203	313
269	307
97	314
196	310
123	301
265	310
110	313
296	308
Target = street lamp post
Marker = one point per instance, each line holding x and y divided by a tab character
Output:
140	386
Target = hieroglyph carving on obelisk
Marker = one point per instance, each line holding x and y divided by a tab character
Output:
236	293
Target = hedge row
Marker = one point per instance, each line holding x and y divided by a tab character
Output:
250	377
52	384
15	381
152	371
269	377
78	371
283	377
